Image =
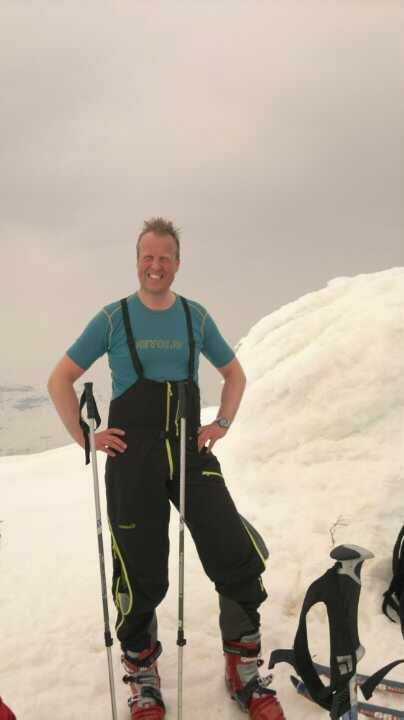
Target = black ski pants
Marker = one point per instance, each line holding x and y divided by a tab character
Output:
141	483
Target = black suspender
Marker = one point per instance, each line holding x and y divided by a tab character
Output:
191	340
131	341
132	345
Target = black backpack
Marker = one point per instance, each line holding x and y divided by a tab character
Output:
394	596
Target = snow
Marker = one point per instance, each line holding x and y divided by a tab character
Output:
314	458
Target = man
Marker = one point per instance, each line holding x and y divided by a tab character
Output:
153	340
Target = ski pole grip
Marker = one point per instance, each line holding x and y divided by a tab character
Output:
350	559
90	402
182	400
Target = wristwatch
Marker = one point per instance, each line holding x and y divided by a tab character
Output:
223	422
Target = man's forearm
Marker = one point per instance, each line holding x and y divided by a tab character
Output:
65	401
232	392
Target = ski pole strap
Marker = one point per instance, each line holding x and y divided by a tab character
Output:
370	685
394	596
339	590
389	603
325	589
87	398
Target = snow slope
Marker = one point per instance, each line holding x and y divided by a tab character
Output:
314	458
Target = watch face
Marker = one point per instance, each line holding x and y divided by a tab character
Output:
223	422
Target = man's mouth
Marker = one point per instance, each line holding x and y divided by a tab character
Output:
154	276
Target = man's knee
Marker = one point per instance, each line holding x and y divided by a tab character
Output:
239	605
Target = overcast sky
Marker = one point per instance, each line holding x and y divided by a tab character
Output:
270	132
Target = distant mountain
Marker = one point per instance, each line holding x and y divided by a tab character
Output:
29	422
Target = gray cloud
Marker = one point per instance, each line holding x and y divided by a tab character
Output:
271	132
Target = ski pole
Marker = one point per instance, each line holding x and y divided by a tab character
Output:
339	589
350	559
181	641
93	416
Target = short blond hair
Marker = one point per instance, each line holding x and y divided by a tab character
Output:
160	226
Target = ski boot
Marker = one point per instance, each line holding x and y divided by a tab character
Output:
244	683
142	675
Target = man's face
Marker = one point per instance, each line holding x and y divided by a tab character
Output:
157	263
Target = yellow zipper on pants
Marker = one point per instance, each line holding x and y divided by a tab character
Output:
117	598
256	548
177	432
168	446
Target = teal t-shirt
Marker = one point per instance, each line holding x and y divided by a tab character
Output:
161	341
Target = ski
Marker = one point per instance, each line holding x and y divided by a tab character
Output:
378	712
391	686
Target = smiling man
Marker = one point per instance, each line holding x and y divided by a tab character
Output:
154	339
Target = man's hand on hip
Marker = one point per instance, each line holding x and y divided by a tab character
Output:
208	434
109	441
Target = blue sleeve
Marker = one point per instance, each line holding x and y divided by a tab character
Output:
92	343
215	347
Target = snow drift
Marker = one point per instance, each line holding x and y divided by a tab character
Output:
313	459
